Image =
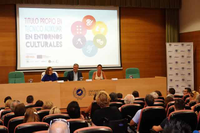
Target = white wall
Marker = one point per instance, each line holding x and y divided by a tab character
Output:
190	16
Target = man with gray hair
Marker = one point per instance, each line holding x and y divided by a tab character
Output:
74	75
129	99
59	126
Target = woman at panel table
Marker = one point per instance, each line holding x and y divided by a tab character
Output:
49	75
99	74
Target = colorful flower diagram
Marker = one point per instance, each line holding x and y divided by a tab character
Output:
79	30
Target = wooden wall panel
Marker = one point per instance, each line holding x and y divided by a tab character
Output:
142	43
195	38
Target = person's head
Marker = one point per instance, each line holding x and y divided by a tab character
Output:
198	99
14	104
8	103
31	115
54	110
94	98
7	98
59	126
113	97
154	94
149	100
175	126
119	96
135	93
75	67
29	99
99	67
39	103
179	104
49	71
103	99
129	99
47	105
167	100
172	91
20	109
73	109
159	93
187	91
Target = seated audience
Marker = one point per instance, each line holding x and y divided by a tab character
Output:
106	112
73	110
149	101
167	100
171	92
14	104
99	74
20	109
154	94
59	126
113	97
135	94
49	75
119	96
30	100
54	110
74	75
159	93
7	98
179	105
7	105
39	103
177	127
47	105
129	99
31	115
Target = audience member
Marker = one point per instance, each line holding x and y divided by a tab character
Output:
73	110
171	92
29	99
129	99
20	109
39	103
7	106
113	97
14	104
135	94
47	105
7	98
167	100
159	93
110	113
31	115
119	96
59	126
54	110
149	101
154	94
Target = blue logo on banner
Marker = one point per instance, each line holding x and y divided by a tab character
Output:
79	93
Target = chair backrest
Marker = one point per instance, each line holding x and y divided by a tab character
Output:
95	107
178	96
192	103
116	104
1	122
29	106
161	97
38	108
50	117
170	110
65	73
188	116
158	104
14	122
185	97
139	102
5	112
30	127
7	117
91	73
3	129
118	126
134	72
43	73
159	100
44	131
76	124
149	117
16	77
96	129
43	113
170	104
139	98
197	107
130	110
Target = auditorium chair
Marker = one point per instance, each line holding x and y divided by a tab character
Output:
169	104
197	107
44	131
94	107
139	102
3	112
14	122
76	124
185	97
192	103
91	73
30	127
1	108
3	129
65	73
161	97
170	110
139	98
122	101
128	111
158	104
50	117
132	72
96	129
159	100
7	117
16	77
43	113
29	106
178	96
38	108
1	122
150	116
117	126
115	104
188	116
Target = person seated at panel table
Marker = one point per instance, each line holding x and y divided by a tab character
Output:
74	75
49	75
99	74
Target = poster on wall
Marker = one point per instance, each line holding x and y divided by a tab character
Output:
180	67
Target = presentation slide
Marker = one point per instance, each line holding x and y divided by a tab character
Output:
61	36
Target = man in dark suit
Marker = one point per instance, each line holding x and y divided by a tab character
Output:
74	75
